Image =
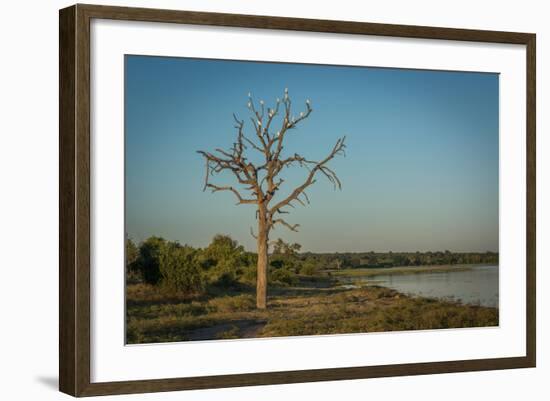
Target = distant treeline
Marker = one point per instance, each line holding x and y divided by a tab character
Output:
390	259
224	264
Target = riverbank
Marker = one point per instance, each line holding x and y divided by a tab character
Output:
315	307
401	270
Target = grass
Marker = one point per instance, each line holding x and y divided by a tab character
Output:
310	309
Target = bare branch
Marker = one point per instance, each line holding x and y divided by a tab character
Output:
301	202
319	166
223	152
293	227
251	143
241	200
235	164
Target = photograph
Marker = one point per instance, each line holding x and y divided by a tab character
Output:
270	199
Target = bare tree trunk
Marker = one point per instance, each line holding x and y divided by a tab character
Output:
261	282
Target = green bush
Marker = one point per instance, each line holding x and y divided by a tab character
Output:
223	262
249	274
179	268
148	259
282	276
132	255
308	268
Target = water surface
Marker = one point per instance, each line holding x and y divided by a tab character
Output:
478	286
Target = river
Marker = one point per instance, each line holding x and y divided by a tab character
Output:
478	285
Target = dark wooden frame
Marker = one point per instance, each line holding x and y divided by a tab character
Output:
74	199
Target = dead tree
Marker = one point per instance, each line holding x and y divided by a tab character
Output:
261	180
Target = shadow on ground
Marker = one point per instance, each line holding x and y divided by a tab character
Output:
49	381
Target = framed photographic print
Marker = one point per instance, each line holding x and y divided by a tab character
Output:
250	200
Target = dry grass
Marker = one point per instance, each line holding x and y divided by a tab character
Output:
152	318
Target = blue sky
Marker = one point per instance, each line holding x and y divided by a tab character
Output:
421	170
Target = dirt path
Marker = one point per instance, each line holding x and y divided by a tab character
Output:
235	328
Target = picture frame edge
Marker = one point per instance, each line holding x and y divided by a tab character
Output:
74	199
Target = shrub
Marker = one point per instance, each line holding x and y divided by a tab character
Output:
308	268
249	274
223	279
223	261
133	274
282	276
179	268
148	259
